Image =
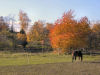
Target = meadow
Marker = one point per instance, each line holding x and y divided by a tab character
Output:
47	64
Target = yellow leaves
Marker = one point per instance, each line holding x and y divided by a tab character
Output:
24	20
37	32
28	38
21	36
96	28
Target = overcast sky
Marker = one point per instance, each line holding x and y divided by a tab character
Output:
50	10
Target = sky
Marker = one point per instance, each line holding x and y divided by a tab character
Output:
50	10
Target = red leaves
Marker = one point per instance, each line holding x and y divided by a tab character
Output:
68	32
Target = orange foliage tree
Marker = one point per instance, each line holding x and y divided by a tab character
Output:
24	22
69	33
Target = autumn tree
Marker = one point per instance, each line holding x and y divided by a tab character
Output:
47	28
24	22
5	41
38	35
47	31
69	33
35	35
95	43
36	32
3	24
83	29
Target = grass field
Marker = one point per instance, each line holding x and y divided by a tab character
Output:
47	64
7	59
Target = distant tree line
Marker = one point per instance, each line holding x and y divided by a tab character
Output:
67	33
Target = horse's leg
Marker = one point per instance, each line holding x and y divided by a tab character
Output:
75	57
72	58
81	58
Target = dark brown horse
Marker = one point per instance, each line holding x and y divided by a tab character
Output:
77	54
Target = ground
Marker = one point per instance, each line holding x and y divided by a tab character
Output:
47	64
66	68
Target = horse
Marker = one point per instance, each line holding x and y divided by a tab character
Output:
77	54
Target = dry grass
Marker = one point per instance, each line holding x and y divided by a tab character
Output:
76	68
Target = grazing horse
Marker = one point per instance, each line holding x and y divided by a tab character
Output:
75	54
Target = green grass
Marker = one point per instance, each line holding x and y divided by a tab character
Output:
7	59
36	64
